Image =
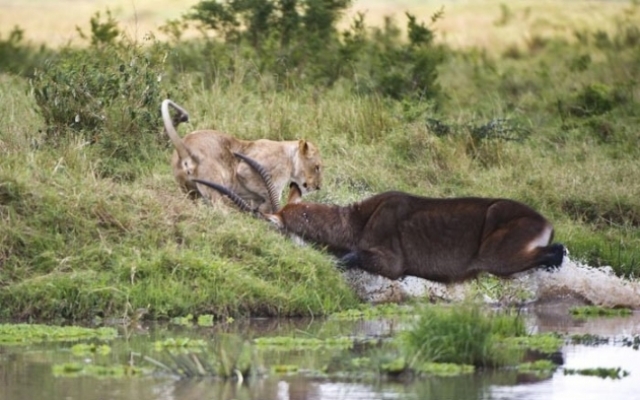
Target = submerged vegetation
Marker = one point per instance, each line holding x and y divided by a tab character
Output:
596	311
34	333
93	225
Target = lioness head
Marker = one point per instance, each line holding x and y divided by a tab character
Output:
308	167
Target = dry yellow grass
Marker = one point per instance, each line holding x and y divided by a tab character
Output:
466	23
475	23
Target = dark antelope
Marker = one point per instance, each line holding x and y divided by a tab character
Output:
394	234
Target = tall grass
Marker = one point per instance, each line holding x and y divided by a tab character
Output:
462	334
75	243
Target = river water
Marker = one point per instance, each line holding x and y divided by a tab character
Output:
26	372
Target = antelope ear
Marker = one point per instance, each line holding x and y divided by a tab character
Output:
275	219
303	147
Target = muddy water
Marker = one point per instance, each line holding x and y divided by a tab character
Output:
26	371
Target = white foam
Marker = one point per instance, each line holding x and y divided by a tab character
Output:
598	286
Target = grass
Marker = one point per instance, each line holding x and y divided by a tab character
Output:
464	334
497	25
75	244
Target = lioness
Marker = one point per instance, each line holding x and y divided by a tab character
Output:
209	154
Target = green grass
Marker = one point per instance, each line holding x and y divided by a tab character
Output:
75	244
461	334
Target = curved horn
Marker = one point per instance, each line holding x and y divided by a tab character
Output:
171	130
266	178
239	201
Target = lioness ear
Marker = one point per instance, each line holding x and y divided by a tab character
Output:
303	146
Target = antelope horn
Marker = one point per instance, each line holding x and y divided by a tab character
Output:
274	198
239	201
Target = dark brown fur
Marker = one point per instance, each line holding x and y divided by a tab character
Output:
394	234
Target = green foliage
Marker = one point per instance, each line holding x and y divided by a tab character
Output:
299	43
462	334
102	33
108	94
18	57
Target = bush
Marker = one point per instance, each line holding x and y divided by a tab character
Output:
109	94
301	45
18	57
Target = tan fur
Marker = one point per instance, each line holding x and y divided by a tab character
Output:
208	155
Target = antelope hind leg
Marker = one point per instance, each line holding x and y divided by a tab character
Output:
551	256
517	246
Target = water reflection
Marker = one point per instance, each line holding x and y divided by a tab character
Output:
26	372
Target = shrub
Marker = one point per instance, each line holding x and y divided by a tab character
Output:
301	45
18	57
109	93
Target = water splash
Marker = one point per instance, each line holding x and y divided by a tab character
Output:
598	286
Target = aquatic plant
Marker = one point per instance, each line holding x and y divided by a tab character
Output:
444	369
464	334
86	349
368	311
227	357
588	339
546	343
172	344
542	369
75	369
285	369
205	320
598	311
298	343
33	333
612	373
633	342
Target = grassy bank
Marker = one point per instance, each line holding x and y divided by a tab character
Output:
553	124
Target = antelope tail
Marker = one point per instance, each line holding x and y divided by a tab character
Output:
274	197
170	128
